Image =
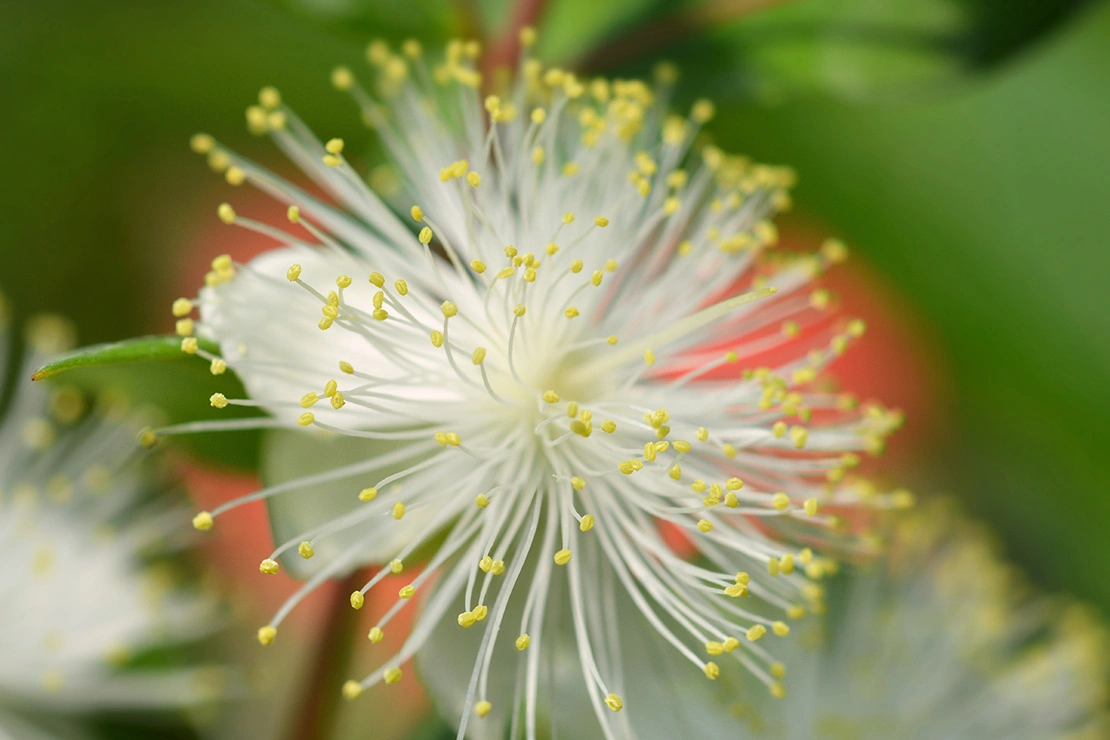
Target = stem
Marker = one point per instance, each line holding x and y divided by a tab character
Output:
504	51
651	36
321	696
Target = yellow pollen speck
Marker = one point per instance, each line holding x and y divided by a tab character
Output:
562	557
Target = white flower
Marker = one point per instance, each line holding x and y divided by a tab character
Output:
571	343
82	595
947	641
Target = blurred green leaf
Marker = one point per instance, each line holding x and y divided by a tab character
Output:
768	49
178	387
143	349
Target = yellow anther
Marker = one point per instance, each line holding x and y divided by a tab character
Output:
449	309
856	327
466	620
334	146
596	278
306	550
306	418
309	399
236	177
587	523
779	428
675	472
736	590
649	358
218	401
189	345
538	155
330	388
425	235
357	599
571	312
478	266
811	506
730	644
182	307
778	670
184	327
332	160
782	629
342	79
396	566
780	501
523	642
834	251
368	494
728	450
756	631
392	675
482	708
731	500
576	266
485	564
519	310
773	566
407	592
398	510
480	612
711	670
778	690
481	501
734	484
799	435
562	557
352	690
217	367
375	635
568	218
530	275
608	426
202	143
293	273
437	338
614	702
203	521
474	179
417	213
453	439
266	635
795	612
578	483
479	356
714	648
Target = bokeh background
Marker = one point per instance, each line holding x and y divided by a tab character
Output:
960	147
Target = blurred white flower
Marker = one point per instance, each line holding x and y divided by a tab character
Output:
570	359
947	642
81	590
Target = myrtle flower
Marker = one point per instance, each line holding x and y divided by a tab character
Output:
945	641
552	321
84	584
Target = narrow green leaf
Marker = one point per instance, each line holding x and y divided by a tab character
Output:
144	349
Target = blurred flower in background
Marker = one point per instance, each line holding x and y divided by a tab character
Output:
946	640
93	607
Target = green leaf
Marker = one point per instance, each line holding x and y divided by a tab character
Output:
154	372
144	349
765	51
